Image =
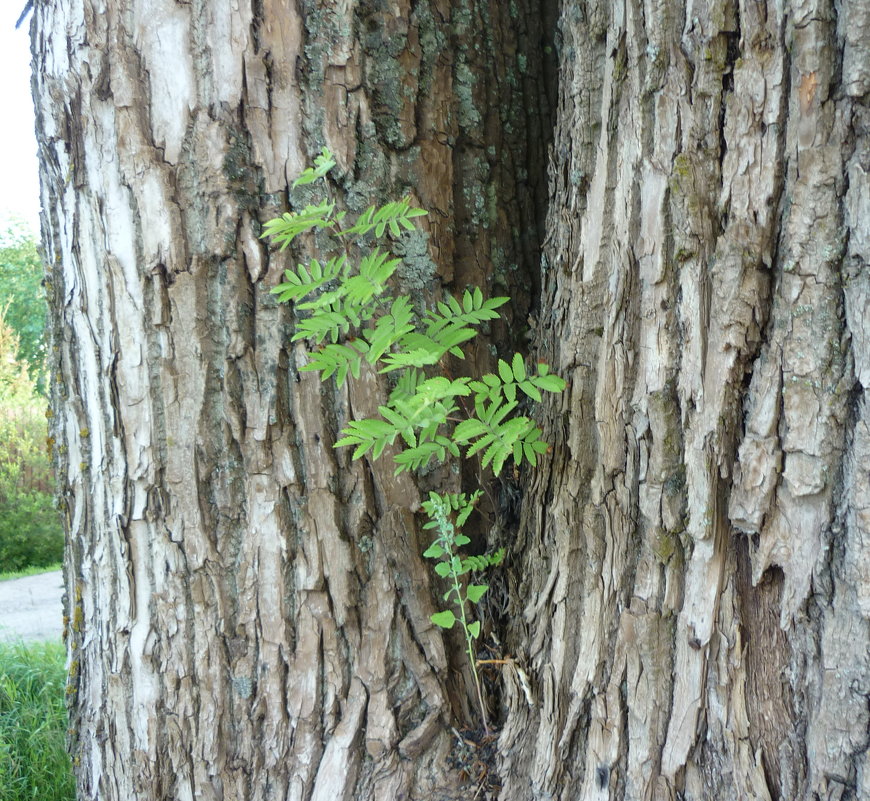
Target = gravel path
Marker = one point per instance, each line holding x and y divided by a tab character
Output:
31	608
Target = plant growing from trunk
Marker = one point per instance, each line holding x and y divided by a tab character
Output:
346	308
450	565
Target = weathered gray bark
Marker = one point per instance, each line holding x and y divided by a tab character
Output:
687	596
691	596
249	611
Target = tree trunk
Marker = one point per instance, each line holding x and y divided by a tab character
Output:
685	609
690	587
248	611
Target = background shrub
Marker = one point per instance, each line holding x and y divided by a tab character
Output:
30	530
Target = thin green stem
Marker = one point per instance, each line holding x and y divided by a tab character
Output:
460	602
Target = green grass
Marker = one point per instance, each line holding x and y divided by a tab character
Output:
29	571
34	765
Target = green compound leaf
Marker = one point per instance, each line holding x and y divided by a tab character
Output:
469	429
450	338
513	376
321	325
338	360
466	506
450	318
304	280
284	229
415	457
482	561
375	269
367	434
414	357
406	386
389	329
322	165
475	563
443	619
395	216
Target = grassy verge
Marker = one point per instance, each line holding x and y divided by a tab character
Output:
33	759
29	571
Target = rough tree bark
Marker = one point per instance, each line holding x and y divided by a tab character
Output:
249	611
691	589
687	595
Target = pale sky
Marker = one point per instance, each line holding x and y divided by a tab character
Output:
19	182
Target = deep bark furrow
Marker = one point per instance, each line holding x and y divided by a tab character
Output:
685	606
698	565
249	609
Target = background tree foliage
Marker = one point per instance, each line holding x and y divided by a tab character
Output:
21	296
30	530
